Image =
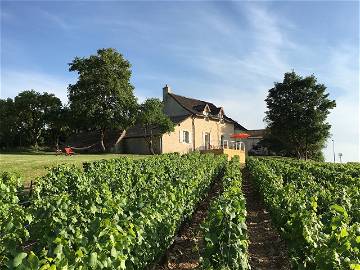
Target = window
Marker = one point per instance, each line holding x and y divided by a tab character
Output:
186	136
207	140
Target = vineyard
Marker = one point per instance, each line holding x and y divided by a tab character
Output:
126	214
316	208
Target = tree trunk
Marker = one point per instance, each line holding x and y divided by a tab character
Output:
57	143
150	143
102	135
37	137
122	135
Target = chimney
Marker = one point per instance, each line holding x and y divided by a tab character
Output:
166	91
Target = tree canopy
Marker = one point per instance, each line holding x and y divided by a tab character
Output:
26	118
32	110
103	97
8	128
153	120
297	111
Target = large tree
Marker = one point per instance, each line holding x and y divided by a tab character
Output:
8	129
59	125
32	110
103	97
153	121
297	111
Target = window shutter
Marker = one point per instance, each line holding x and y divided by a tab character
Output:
203	139
180	136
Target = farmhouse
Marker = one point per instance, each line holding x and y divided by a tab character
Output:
200	125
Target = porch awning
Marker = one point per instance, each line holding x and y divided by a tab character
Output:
240	136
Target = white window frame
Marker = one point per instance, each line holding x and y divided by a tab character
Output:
184	137
225	144
206	147
181	136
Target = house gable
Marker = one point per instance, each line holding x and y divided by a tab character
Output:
179	105
196	127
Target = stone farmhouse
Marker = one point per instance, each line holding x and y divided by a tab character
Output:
200	125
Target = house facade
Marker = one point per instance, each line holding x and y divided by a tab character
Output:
199	125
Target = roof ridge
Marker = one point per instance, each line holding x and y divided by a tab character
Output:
187	97
207	102
191	107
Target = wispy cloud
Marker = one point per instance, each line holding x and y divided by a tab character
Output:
240	81
56	19
13	82
229	53
341	72
245	78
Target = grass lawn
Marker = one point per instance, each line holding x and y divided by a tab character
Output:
32	165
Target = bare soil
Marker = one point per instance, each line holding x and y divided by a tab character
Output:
266	250
184	253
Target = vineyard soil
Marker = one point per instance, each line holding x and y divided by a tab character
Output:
266	250
185	252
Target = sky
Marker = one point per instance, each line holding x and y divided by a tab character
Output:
226	52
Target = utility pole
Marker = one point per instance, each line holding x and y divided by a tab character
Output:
333	149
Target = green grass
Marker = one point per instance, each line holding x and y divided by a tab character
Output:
32	165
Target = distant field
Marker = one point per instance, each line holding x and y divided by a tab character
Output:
32	165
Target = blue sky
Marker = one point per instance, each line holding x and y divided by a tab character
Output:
226	52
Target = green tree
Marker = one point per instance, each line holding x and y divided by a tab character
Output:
103	97
32	110
297	111
8	129
153	120
58	122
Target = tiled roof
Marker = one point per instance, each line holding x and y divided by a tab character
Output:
138	130
179	118
196	106
237	126
256	132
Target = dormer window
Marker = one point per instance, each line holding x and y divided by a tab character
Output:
206	111
221	115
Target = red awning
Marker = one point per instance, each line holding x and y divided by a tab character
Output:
240	136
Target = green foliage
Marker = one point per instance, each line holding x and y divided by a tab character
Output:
13	217
297	111
153	120
316	208
27	117
8	129
225	231
103	97
59	125
32	110
119	213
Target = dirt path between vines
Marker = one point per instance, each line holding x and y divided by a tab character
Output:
266	250
184	253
